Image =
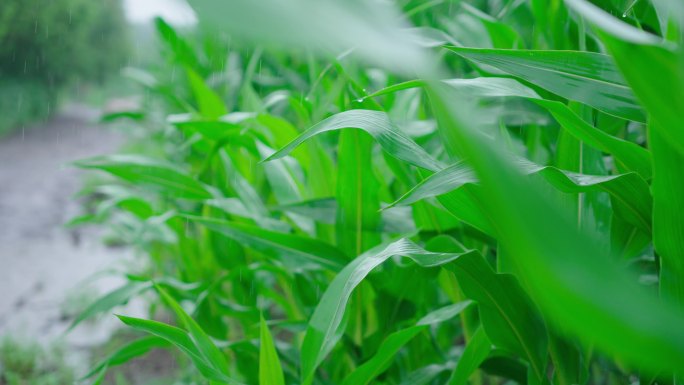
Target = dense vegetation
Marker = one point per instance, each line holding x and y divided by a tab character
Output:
46	45
407	192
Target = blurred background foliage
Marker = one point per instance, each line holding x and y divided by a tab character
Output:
47	46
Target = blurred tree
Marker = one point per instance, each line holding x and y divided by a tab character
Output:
52	43
58	40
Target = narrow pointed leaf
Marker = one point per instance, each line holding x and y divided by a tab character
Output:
270	370
476	351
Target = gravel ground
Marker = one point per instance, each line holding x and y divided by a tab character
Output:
42	263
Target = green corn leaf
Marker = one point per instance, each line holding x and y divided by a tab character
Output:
322	209
657	77
270	370
668	209
669	11
631	156
381	360
182	50
182	340
128	352
204	344
504	306
424	375
358	212
296	251
378	125
111	300
324	328
585	77
100	377
147	172
578	287
210	104
284	177
508	316
215	130
445	313
476	351
630	192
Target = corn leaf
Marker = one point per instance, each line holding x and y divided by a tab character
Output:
147	172
564	267
585	77
473	356
270	370
296	251
378	125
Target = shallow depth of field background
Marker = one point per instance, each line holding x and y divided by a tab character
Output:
48	272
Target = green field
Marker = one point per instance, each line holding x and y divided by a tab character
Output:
404	192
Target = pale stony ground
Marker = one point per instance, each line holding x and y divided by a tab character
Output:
42	264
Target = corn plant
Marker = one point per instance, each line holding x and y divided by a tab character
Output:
409	192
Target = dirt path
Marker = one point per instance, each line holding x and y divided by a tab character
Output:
41	263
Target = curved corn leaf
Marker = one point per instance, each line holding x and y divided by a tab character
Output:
630	193
129	351
424	375
147	172
324	328
111	300
656	73
630	155
577	286
182	340
381	360
295	251
378	125
657	77
204	344
586	77
504	307
444	313
507	315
